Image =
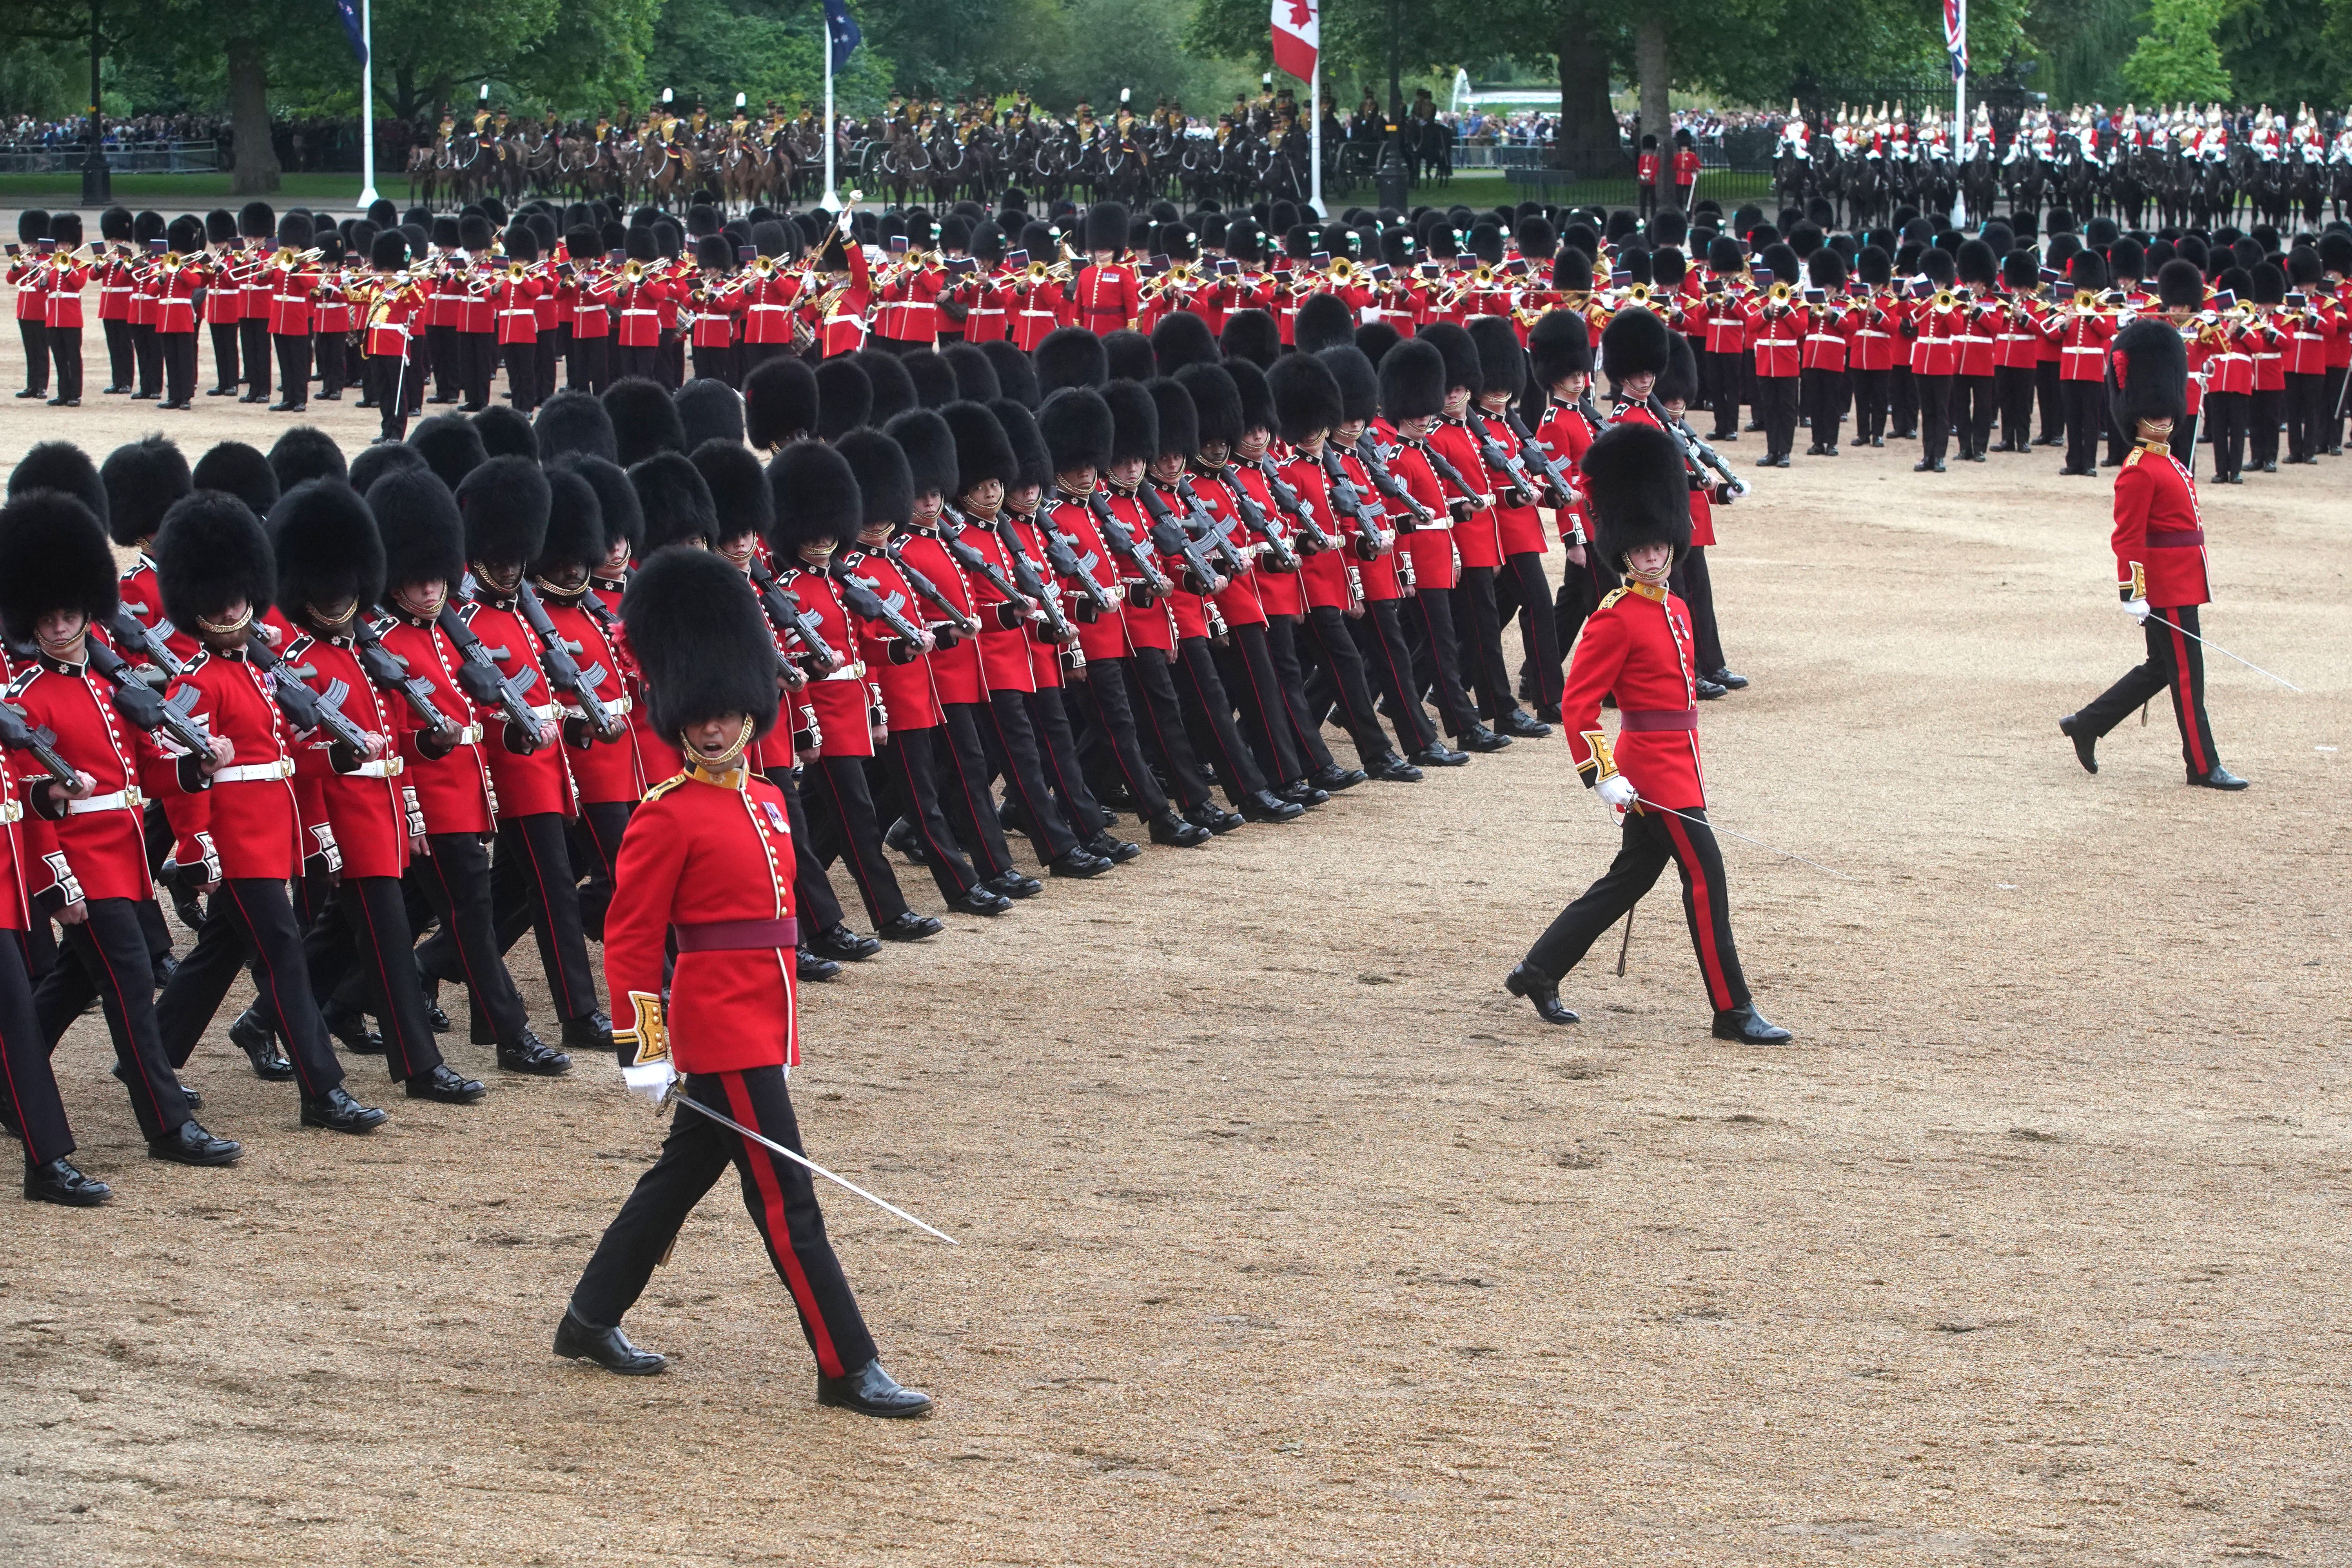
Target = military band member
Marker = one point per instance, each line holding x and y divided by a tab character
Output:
1637	648
706	867
2161	565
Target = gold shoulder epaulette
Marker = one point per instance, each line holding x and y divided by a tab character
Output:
2136	453
1613	596
664	787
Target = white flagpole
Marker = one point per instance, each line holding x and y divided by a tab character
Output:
1315	123
832	195
367	106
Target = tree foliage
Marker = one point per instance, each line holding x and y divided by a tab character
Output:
2177	58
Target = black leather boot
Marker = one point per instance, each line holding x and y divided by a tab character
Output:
579	1339
250	1034
1541	991
870	1390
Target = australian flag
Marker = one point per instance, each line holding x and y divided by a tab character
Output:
349	12
840	27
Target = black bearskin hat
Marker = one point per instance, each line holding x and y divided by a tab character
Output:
1076	425
473	233
1358	382
211	553
2147	374
1323	320
975	376
256	221
1412	381
2087	270
240	470
2020	271
710	410
1031	464
930	449
381	457
885	487
1216	404
1179	420
1252	335
2180	282
450	447
620	515
1129	356
701	642
306	452
504	503
61	466
1638	490
1462	360
981	451
1559	344
57	559
1376	339
893	388
1679	383
2269	284
575	422
1502	363
575	523
416	518
1070	356
1873	266
675	501
1257	399
1572	270
844	400
1826	268
644	421
506	433
1016	378
1181	339
327	546
1634	343
388	252
1106	227
738	488
935	383
815	498
1134	421
1306	396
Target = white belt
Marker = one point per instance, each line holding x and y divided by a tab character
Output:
470	735
121	800
638	312
382	768
256	772
853	671
615	706
551	711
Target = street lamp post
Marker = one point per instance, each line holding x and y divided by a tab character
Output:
97	176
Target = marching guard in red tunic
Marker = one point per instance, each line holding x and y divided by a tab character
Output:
1638	648
2160	544
706	869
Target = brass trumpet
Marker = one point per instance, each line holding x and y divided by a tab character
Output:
1342	270
633	271
1782	291
1945	299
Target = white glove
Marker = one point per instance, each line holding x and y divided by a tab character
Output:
650	1079
2136	609
1617	791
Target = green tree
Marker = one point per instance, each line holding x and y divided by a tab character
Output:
2276	52
767	50
2177	57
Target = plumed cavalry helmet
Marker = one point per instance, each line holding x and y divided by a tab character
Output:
700	641
2147	374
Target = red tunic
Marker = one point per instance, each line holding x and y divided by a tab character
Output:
606	771
1479	538
1431	546
1105	636
699	854
291	290
1106	297
540	782
256	823
1638	645
905	688
955	671
99	845
843	699
455	790
367	809
2158	529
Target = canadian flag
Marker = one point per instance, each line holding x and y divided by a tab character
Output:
1297	32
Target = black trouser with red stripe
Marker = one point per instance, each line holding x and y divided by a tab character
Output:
455	877
121	365
964	798
812	893
331	351
28	1088
107	959
780	1195
36	334
2012	389
1934	415
1972	411
2305	413
293	366
904	781
1437	657
1209	716
1478	624
1159	726
1381	636
253	352
1303	720
1341	669
1522	589
1245	668
1651	840
1109	746
1057	753
249	917
147	354
364	935
1012	750
844	826
2175	663
1872	389
1722	374
2087	417
595	851
225	377
65	353
533	885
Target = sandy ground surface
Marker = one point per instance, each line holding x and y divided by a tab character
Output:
1288	1236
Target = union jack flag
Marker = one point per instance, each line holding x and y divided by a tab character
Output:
1955	36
